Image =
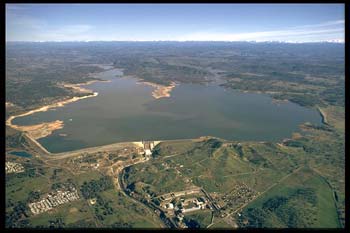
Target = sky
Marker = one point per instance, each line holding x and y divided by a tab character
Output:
175	22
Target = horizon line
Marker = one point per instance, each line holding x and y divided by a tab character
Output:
181	41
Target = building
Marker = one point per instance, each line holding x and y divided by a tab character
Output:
191	209
180	217
148	152
148	147
170	206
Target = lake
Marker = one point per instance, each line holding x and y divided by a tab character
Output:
126	111
21	154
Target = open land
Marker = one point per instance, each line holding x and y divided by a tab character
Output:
199	183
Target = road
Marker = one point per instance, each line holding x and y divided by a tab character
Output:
150	206
260	194
44	154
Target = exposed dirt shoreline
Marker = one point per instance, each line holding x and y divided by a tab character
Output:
77	87
40	130
44	129
160	91
37	131
9	104
323	116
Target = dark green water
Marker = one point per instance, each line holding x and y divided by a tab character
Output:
126	111
21	154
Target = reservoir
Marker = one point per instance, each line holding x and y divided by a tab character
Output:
125	110
21	154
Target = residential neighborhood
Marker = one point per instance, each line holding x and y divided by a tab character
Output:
12	167
53	200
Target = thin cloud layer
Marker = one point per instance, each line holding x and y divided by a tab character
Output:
313	32
22	24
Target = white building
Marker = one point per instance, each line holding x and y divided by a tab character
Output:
170	206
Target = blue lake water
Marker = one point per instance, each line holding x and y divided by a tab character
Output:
126	111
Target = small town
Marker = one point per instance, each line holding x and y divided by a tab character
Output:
238	196
12	167
53	200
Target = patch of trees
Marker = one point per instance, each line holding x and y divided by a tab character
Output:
253	218
191	223
92	188
159	70
290	217
274	203
89	159
293	143
305	100
28	172
33	196
308	194
26	94
239	149
122	225
287	209
68	185
334	96
209	146
213	143
157	151
81	224
15	217
321	127
15	141
57	223
55	172
103	208
255	157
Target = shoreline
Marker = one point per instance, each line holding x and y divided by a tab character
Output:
37	131
77	87
34	132
160	91
40	130
47	107
323	116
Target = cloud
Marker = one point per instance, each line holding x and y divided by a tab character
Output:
325	24
29	27
294	33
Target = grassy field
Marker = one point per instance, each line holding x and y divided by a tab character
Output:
274	171
310	75
127	212
221	225
202	217
323	214
335	116
70	213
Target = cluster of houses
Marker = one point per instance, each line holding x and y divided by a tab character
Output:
52	200
240	195
12	167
